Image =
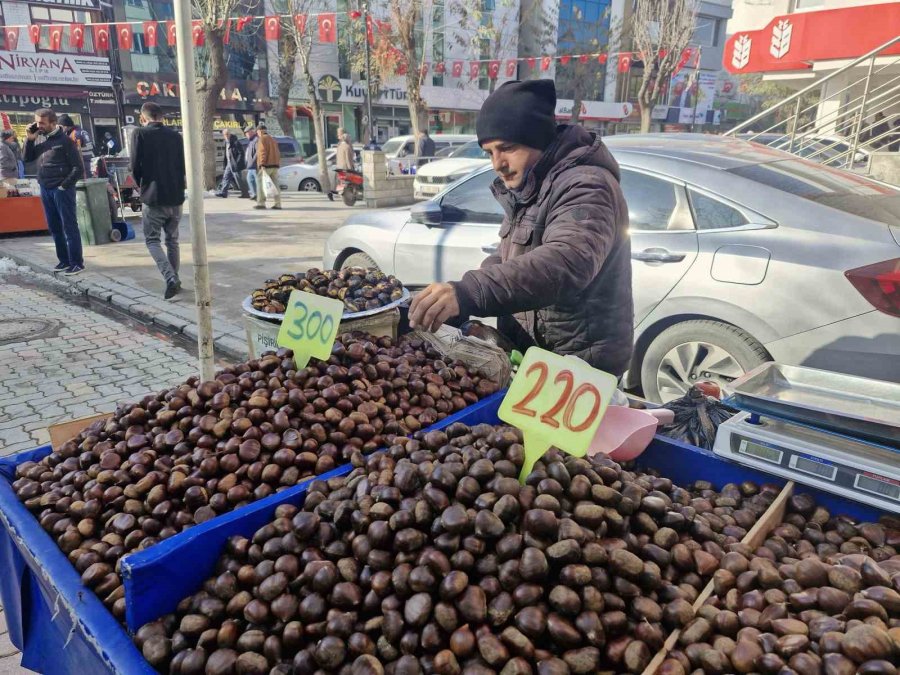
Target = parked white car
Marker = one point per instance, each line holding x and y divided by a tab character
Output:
399	151
435	176
305	177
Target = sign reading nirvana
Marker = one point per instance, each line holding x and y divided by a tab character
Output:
46	68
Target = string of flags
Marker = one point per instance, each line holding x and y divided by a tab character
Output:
325	25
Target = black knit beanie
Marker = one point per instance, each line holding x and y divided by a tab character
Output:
519	112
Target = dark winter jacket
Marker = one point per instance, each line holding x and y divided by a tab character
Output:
157	164
234	155
564	265
250	153
59	161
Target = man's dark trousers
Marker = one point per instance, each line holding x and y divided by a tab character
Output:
59	208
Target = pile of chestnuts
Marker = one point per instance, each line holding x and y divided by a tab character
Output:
432	557
359	288
185	455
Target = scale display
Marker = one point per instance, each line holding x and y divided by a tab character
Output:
856	469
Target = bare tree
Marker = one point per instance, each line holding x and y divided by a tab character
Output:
660	30
405	18
284	82
489	33
212	75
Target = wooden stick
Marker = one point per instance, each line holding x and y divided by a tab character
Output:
754	539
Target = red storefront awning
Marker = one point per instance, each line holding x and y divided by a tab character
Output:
795	41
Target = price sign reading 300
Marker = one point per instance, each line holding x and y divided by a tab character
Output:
310	326
556	400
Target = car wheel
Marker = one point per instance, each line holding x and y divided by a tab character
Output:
359	260
309	185
693	351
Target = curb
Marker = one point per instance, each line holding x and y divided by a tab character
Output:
145	308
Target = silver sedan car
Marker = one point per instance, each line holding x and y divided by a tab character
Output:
741	254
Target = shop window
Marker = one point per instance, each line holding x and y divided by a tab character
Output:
706	32
650	200
711	214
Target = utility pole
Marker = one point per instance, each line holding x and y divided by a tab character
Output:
697	85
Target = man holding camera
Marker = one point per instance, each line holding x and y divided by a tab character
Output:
59	168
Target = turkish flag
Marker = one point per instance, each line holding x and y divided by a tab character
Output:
227	38
531	61
474	69
101	36
423	71
457	68
241	22
170	33
76	35
370	34
493	69
401	68
511	68
56	37
151	33
440	68
602	59
126	37
34	33
624	63
384	27
545	62
198	35
300	23
565	59
327	27
683	61
273	28
12	38
355	14
583	58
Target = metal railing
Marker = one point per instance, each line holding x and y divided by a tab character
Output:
844	136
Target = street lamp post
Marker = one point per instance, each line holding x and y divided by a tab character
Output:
368	27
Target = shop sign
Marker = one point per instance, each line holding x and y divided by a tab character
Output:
796	41
10	102
71	4
595	110
45	68
329	88
239	95
101	98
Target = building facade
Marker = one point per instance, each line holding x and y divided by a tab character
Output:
73	80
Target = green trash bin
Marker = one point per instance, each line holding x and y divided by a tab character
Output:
92	209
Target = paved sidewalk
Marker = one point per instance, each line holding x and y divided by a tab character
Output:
83	364
245	247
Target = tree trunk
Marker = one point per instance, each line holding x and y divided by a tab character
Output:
209	89
646	112
318	126
287	49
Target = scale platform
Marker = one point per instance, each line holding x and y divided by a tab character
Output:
835	432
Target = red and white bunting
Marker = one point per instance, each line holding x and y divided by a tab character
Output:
602	59
370	33
151	33
300	23
170	33
12	37
198	35
457	69
34	33
545	63
76	35
327	28
511	67
241	22
583	58
56	37
565	59
354	14
101	36
531	61
624	63
125	36
273	28
493	69
440	68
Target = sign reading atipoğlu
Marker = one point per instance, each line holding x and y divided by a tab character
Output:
44	68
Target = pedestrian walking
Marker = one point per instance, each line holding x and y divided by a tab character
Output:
343	160
250	159
9	167
268	159
234	165
425	148
157	164
81	139
8	138
59	168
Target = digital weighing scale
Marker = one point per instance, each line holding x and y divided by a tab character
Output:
821	429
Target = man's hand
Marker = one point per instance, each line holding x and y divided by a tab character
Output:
30	135
433	306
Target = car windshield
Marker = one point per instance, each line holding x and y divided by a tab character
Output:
840	190
392	146
470	150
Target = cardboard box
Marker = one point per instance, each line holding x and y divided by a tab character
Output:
65	431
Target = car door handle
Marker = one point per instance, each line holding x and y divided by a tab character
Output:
657	255
491	249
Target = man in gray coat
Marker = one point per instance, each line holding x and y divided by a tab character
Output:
562	277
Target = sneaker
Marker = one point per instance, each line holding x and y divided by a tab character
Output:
260	207
172	289
277	207
73	270
62	267
219	194
331	196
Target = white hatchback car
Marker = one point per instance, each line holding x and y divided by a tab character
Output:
304	177
435	176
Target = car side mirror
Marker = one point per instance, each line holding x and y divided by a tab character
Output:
427	213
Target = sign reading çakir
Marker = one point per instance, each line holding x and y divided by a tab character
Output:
43	68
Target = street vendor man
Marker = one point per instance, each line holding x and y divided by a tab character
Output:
561	279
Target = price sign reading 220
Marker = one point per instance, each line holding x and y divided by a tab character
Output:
310	326
556	400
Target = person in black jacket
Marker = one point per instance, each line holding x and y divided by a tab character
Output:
59	168
157	164
234	166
